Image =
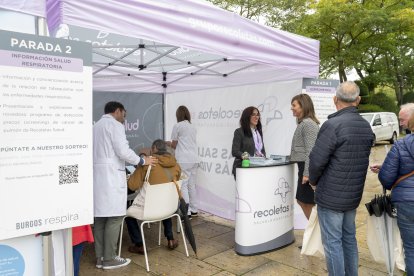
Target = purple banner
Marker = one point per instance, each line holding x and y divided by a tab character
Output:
37	61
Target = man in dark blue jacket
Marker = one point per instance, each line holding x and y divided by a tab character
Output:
338	167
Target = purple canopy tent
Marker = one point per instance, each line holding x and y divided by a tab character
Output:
33	7
216	48
169	46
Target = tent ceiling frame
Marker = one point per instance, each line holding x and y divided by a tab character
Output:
240	69
158	65
186	62
132	46
127	75
115	60
141	52
159	57
194	73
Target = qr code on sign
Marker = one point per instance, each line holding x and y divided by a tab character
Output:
68	174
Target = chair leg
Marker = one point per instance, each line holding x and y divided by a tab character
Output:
178	225
120	236
145	247
159	235
182	233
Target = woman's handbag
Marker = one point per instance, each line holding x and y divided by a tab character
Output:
312	240
136	210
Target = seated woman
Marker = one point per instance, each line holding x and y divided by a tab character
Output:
165	171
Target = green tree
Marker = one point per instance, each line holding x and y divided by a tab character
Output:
252	9
373	37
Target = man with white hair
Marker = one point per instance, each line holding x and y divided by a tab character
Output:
406	112
406	115
337	168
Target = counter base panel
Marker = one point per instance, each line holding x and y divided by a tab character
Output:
275	244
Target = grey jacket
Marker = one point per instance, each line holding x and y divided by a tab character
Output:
303	141
339	160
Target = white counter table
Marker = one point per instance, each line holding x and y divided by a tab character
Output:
264	208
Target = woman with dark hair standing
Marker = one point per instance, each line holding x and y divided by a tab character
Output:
302	143
248	138
184	141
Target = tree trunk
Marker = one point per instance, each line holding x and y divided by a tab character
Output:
341	72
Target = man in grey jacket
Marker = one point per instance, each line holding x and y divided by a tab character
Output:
338	167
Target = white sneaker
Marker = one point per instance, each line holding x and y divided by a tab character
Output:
116	262
99	262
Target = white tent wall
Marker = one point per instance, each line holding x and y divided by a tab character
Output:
216	114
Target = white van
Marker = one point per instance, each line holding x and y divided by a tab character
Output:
385	125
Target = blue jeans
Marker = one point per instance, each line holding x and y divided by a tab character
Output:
77	253
339	241
405	220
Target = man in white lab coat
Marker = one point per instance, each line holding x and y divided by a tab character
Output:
110	151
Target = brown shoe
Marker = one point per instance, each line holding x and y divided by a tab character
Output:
172	244
136	249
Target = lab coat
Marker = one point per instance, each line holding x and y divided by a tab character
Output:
110	151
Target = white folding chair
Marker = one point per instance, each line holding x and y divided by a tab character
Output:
161	201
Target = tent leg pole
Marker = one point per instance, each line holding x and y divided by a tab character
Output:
47	258
164	104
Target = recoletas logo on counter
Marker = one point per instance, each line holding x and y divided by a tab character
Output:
282	189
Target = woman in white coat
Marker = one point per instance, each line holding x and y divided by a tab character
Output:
110	151
184	142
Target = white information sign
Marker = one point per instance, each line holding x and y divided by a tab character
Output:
46	134
21	256
321	92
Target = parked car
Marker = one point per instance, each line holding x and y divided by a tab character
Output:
385	125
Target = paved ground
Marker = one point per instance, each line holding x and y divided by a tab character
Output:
216	256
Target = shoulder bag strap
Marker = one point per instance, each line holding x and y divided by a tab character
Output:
147	174
402	178
168	174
